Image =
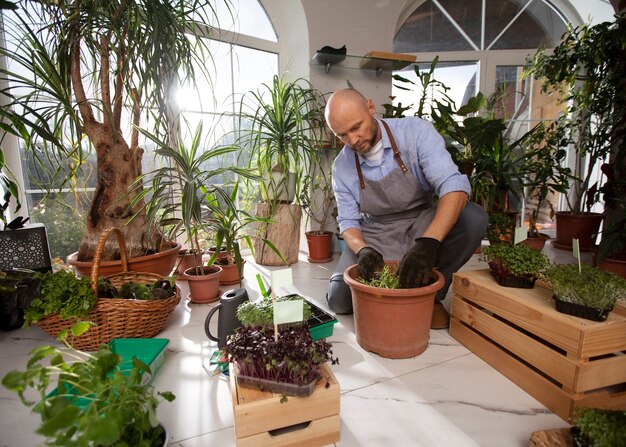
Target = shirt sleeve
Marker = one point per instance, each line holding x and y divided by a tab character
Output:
345	186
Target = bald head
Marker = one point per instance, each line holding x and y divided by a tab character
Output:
351	117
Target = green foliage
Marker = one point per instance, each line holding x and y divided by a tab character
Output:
585	71
384	279
429	91
544	170
64	226
8	190
280	126
501	227
88	387
514	260
591	287
261	312
600	428
292	357
64	293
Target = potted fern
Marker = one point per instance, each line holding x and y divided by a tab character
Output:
95	401
588	292
514	265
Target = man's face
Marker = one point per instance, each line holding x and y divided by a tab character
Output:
357	128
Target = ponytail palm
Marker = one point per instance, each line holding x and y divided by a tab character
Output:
83	76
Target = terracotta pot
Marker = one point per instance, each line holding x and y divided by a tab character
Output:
393	323
536	243
186	259
204	288
583	227
230	273
320	245
615	265
160	263
223	254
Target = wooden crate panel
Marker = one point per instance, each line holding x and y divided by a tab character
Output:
563	361
318	432
257	413
533	310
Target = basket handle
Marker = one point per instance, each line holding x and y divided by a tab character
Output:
98	255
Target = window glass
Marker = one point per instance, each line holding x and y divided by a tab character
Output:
428	30
537	26
460	77
244	17
434	26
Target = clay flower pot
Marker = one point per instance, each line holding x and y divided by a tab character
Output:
320	246
393	323
160	263
204	288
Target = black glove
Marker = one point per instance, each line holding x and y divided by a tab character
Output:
417	264
369	261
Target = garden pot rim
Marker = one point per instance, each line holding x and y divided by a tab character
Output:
318	233
214	270
72	257
348	278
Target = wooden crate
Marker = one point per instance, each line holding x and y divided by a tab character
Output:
564	362
262	420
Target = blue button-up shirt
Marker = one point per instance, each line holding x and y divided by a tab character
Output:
423	151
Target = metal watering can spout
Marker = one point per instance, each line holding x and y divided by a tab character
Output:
227	320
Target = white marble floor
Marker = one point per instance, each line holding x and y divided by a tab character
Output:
446	396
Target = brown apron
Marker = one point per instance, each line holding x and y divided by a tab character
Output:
395	210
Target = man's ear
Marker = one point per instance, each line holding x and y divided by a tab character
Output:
371	107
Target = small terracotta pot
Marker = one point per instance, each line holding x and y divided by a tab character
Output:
320	245
583	227
230	273
204	288
186	259
536	243
393	323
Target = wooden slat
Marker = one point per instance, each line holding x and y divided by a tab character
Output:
251	407
542	357
549	394
602	373
319	432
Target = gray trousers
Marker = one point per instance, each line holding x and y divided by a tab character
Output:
456	249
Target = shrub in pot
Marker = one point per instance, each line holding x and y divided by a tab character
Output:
514	265
288	364
599	427
95	402
589	293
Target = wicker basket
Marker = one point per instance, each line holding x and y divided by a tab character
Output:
116	317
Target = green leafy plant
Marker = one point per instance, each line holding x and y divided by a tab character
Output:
261	312
501	227
8	190
586	74
596	427
544	169
95	402
384	279
514	260
64	293
180	187
292	357
83	77
159	290
591	287
280	127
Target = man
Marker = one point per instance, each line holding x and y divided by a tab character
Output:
399	197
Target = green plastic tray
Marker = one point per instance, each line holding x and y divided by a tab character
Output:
150	351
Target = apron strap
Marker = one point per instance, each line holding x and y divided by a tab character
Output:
396	156
358	170
396	152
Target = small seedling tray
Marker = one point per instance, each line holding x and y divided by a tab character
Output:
321	323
